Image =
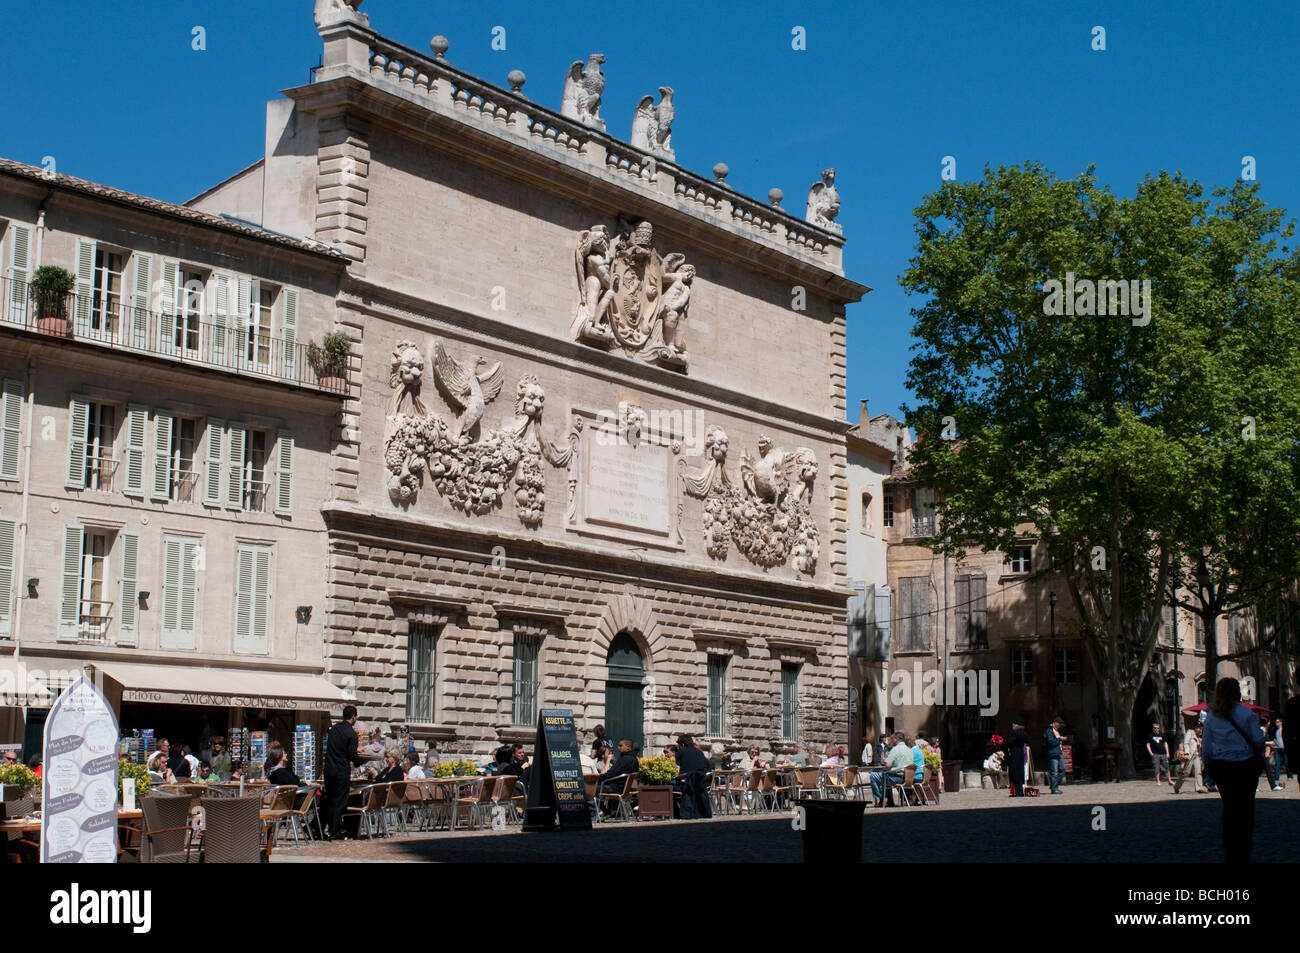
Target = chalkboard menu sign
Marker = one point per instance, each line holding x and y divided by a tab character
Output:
555	784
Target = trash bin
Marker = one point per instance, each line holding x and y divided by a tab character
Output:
832	831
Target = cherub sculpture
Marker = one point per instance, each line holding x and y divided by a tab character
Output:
591	259
677	276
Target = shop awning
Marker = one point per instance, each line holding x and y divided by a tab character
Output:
21	685
222	687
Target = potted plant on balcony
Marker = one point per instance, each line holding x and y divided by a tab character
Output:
330	359
51	286
654	790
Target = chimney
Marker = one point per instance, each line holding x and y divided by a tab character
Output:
864	419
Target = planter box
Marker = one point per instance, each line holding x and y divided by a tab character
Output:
654	800
336	383
55	326
951	776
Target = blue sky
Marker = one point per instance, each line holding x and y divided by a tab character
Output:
883	92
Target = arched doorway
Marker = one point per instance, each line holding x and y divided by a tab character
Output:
623	684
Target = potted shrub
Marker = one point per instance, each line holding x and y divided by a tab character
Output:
128	769
19	777
936	768
50	287
330	359
654	790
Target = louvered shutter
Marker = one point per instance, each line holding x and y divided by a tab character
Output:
137	417
171	601
143	292
11	429
284	474
167	305
127	610
235	466
78	420
70	596
8	539
243	599
164	425
921	606
189	592
20	269
221	319
883	621
961	610
85	282
289	330
243	319
216	461
979	611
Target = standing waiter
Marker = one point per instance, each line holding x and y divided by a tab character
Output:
340	756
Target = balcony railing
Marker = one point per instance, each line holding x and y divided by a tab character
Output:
183	484
182	338
95	620
99	473
255	496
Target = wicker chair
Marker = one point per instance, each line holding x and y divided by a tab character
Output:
236	833
168	836
17	843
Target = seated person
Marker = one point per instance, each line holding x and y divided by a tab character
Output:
518	764
159	773
994	765
411	765
392	769
277	766
900	756
834	757
918	757
752	762
625	763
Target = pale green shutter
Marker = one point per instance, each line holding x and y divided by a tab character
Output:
85	282
284	474
143	292
243	318
7	542
163	426
962	610
78	420
11	429
171	285
243	599
189	592
137	417
20	267
220	319
216	461
289	330
261	599
70	601
235	466
171	600
127	611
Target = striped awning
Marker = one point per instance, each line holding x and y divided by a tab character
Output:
21	685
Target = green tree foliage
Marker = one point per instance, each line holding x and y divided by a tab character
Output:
1119	436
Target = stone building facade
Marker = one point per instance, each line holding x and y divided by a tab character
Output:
593	452
164	459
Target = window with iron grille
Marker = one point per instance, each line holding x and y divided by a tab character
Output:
1021	559
889	509
922	512
717	692
1067	666
789	701
524	692
421	655
1022	666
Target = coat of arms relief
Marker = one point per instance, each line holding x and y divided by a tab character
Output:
631	297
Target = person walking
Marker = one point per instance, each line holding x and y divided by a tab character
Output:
1191	763
1158	748
1277	736
340	757
1017	749
1055	759
1233	749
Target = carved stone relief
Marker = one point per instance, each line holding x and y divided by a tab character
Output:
824	202
582	89
470	469
768	515
631	297
652	125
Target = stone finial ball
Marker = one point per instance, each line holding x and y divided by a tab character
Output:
720	171
439	45
775	196
516	79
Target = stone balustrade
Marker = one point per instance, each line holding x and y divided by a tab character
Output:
392	64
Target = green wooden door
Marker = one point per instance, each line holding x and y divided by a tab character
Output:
623	686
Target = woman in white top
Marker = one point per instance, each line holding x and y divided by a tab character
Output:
1232	747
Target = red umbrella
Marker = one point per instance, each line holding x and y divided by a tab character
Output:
1201	707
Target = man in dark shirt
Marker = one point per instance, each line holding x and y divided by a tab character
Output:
625	763
340	756
693	766
518	765
1055	759
176	761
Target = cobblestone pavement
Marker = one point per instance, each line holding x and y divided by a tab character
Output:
1144	822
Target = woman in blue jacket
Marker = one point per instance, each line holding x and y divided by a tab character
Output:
1233	749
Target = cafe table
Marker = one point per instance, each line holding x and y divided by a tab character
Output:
31	824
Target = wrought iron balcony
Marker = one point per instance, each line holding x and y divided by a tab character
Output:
179	337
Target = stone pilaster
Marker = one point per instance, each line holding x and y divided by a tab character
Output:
343	184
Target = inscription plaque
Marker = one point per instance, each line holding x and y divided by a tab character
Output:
628	485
